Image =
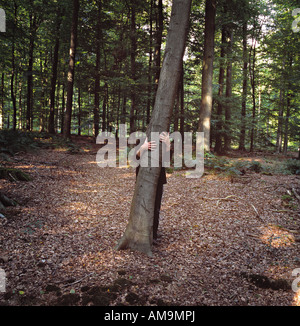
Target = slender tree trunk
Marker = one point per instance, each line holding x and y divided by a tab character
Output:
51	127
133	40
207	73
244	93
63	109
29	113
79	112
288	112
71	72
159	33
228	93
219	125
252	68
20	87
149	99
181	91
104	109
2	102
280	122
13	74
139	231
97	78
123	114
286	126
280	114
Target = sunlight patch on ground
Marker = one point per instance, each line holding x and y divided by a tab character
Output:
276	236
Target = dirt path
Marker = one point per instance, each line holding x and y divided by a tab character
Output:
221	242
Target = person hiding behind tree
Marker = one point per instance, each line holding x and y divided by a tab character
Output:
150	146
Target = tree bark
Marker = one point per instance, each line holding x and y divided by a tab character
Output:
159	32
51	127
13	74
2	102
149	99
244	92
71	72
139	231
280	113
219	125
207	73
133	40
32	29
228	92
97	78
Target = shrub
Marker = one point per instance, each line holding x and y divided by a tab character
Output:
293	166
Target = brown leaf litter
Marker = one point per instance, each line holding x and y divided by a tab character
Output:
221	242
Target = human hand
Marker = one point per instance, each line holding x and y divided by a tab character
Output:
148	145
164	137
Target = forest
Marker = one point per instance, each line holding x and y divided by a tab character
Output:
70	70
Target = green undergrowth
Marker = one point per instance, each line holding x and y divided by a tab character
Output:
14	141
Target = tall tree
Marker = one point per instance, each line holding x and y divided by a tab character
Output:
207	73
97	68
244	91
34	23
51	127
218	144
228	92
133	48
71	72
139	231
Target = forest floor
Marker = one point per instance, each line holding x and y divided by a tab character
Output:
222	241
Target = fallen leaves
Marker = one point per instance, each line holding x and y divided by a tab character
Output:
72	213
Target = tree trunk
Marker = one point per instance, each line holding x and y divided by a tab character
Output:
207	73
219	125
97	78
280	114
13	74
252	63
149	99
29	112
2	102
288	111
104	108
63	109
71	72
139	231
181	85
286	126
244	93
133	39
228	93
51	127
159	32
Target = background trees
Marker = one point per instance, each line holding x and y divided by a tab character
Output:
119	51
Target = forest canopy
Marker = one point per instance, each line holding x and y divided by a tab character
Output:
79	67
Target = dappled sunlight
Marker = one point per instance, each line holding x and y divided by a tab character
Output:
296	300
275	236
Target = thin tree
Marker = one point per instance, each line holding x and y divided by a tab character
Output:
207	73
245	86
139	231
51	127
97	77
71	71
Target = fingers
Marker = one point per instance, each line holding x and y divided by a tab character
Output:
151	145
164	137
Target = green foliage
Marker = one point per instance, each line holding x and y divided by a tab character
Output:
13	174
13	141
293	166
